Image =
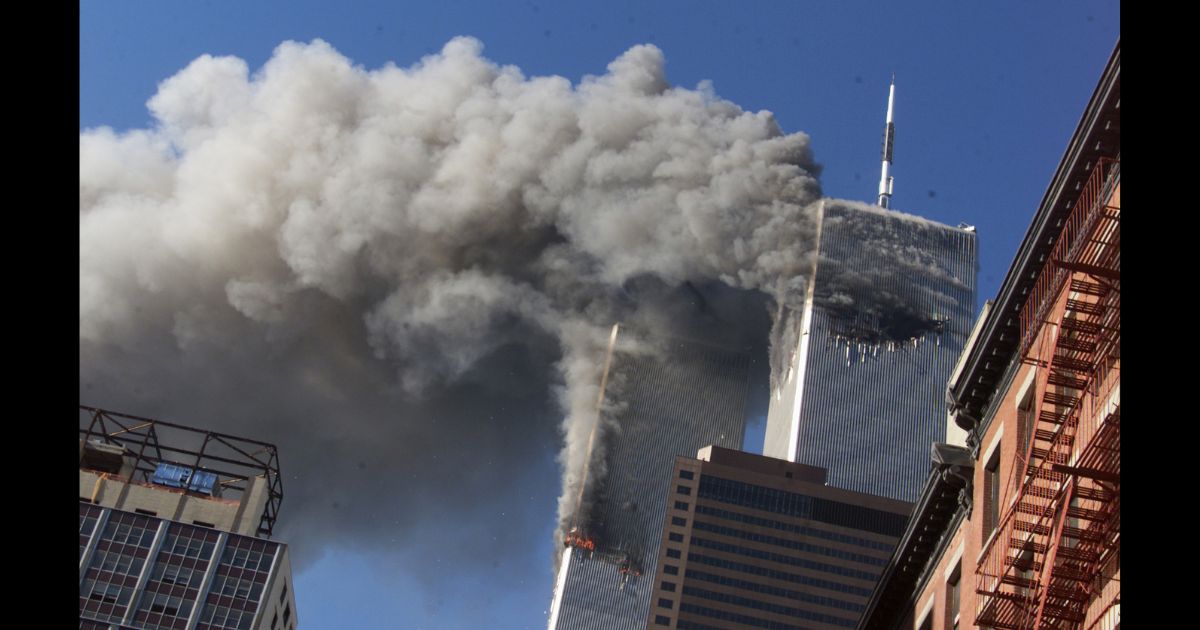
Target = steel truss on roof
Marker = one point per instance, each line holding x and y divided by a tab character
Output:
150	442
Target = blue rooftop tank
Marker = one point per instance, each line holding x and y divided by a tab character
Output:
178	476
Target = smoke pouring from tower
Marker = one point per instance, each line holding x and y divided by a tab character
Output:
407	276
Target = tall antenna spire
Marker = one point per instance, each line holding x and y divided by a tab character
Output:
889	135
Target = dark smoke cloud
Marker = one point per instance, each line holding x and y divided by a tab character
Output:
406	276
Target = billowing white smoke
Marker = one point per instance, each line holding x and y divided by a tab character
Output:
422	219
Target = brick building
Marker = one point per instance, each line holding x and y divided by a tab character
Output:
1018	525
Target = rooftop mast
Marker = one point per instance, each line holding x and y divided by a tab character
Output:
885	178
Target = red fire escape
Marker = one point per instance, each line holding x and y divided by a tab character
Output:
1051	562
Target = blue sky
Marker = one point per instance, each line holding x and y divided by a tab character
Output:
987	96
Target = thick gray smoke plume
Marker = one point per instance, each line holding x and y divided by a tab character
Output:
390	272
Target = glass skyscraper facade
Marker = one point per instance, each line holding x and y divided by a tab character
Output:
666	403
862	393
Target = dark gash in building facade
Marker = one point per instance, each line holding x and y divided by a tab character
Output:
861	391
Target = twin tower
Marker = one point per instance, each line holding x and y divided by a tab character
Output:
859	390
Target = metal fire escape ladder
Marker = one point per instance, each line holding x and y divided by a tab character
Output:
1040	569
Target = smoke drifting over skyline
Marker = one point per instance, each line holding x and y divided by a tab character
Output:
406	276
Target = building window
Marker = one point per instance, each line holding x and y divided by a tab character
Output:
244	588
1024	423
130	530
675	537
670	569
87	521
171	574
953	592
1074	525
801	505
167	605
678	520
220	616
991	501
681	505
673	553
105	593
665	603
189	541
661	620
686	474
683	489
668	586
1023	563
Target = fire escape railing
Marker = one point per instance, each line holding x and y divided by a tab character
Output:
1043	566
1083	216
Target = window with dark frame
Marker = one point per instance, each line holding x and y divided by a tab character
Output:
991	501
1073	524
953	593
1023	563
1024	423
